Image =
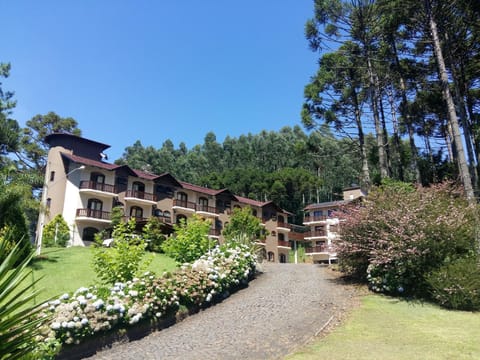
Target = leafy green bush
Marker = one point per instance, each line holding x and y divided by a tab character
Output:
125	259
190	240
56	232
400	234
457	285
153	235
90	311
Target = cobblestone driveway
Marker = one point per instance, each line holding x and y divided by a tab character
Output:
280	310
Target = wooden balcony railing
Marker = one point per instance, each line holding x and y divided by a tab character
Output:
96	214
317	233
206	208
141	195
318	249
137	218
299	236
314	218
184	204
284	243
92	185
283	225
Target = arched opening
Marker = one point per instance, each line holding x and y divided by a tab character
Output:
280	219
263	253
136	212
203	204
88	234
271	256
182	199
281	237
167	216
94	207
274	233
283	258
180	218
138	189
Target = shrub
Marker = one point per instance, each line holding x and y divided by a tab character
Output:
190	240
399	234
124	260
457	285
153	235
56	232
90	311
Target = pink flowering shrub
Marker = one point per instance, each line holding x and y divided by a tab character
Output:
400	234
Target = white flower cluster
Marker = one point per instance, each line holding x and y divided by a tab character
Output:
91	310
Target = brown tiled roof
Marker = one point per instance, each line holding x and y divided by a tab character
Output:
90	162
201	189
250	201
328	204
145	175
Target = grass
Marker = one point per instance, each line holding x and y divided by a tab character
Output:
387	328
67	269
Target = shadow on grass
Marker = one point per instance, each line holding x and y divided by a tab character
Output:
37	261
343	279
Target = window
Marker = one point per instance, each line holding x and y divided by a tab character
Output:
49	203
254	212
281	237
271	256
281	219
203	204
138	186
52	175
283	258
136	212
182	199
274	233
158	213
94	208
167	216
95	204
97	177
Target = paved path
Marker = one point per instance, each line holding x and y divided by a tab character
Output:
280	310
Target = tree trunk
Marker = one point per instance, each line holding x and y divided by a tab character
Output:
462	163
382	158
366	182
408	118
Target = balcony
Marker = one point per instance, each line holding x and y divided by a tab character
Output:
283	226
315	234
284	244
206	210
140	197
314	219
298	236
137	218
320	249
99	189
93	215
182	205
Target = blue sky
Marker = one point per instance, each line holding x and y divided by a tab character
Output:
156	70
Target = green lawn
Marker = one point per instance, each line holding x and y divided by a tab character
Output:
67	269
386	328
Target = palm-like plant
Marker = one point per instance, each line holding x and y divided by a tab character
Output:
19	321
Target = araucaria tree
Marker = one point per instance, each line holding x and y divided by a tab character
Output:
402	68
